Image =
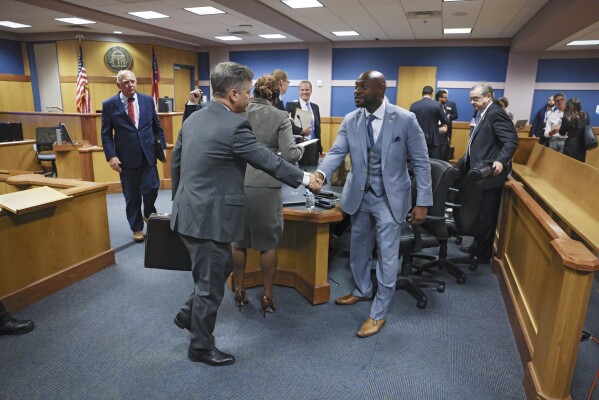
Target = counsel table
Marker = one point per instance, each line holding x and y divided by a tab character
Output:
303	254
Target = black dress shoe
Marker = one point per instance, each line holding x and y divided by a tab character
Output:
467	249
182	321
16	327
213	357
473	260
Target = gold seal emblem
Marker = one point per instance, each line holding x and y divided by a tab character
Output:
118	58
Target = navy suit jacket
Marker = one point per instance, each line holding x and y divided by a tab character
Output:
294	105
120	138
428	113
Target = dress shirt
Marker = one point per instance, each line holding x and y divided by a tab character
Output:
125	101
553	120
377	123
480	118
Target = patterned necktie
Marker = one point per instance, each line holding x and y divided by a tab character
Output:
371	118
131	109
311	121
476	121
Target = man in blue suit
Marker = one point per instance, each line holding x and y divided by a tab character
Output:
130	127
377	194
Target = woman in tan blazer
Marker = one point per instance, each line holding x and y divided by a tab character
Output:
263	207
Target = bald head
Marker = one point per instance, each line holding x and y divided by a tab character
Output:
370	90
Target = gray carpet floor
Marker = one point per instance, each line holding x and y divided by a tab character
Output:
112	336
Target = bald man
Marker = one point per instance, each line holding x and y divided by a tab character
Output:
377	194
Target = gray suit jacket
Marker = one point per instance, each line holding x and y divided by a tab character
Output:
402	137
208	170
272	128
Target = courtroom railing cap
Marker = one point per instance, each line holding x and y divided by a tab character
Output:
71	187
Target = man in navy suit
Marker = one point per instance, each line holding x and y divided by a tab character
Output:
451	111
429	115
130	127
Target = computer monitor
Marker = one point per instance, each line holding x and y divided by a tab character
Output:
166	104
64	134
11	132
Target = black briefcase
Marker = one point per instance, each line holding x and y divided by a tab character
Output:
164	248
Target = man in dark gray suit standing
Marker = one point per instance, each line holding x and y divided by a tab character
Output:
429	115
208	170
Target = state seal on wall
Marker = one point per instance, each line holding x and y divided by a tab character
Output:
118	58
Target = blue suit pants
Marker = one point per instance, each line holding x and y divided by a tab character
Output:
139	184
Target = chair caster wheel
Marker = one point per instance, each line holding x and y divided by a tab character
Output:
461	280
473	267
441	288
458	240
421	304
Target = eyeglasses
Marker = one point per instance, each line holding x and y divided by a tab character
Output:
558	100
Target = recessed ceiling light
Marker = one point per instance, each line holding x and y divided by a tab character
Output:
273	36
205	10
303	3
346	33
447	1
453	31
75	21
227	38
118	32
583	43
148	14
15	25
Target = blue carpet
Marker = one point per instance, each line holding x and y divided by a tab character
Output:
111	336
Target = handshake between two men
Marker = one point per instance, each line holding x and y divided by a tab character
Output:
316	182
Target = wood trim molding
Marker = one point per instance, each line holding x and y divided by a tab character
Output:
15	78
112	79
36	291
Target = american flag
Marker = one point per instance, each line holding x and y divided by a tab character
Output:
82	98
155	78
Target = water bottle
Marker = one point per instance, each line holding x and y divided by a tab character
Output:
310	201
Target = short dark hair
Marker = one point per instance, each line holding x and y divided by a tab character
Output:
559	95
229	75
308	82
427	90
440	94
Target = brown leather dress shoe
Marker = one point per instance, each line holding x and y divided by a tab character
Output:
138	236
350	299
370	327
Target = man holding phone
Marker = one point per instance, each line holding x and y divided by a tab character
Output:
195	102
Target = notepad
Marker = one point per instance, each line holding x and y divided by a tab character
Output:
307	142
29	200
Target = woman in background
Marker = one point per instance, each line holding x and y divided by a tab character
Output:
503	102
573	125
263	206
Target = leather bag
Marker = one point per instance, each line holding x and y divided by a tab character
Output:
164	248
158	150
590	139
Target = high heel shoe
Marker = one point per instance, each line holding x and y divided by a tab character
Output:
268	306
241	298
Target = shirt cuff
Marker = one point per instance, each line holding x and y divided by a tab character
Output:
324	177
306	179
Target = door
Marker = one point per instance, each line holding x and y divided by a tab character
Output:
183	85
410	82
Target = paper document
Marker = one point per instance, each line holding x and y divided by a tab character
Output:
307	142
303	118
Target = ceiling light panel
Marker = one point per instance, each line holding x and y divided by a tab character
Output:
75	21
583	43
15	25
148	14
228	38
205	10
456	31
345	33
273	36
303	3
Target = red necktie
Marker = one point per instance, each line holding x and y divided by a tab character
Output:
131	109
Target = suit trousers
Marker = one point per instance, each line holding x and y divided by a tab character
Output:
4	315
374	221
489	213
434	151
140	183
211	264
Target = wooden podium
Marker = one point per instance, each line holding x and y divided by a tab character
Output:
303	254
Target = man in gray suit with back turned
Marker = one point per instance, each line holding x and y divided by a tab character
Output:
208	170
377	194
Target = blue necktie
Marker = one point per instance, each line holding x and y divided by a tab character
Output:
311	121
371	118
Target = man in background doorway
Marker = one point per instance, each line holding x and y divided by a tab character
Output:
432	120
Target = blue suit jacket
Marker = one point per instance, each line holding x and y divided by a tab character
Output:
402	137
120	138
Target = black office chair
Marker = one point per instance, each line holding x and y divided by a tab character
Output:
45	137
465	204
434	229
